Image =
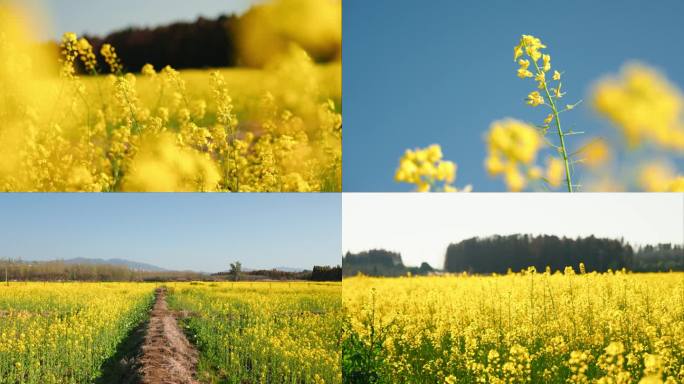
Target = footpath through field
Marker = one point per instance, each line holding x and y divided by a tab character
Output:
162	356
167	355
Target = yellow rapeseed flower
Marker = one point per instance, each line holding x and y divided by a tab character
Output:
644	105
110	56
425	168
555	169
596	153
546	66
534	98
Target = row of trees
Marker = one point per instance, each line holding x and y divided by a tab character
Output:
326	273
17	270
380	262
266	31
318	273
661	257
496	254
499	253
203	43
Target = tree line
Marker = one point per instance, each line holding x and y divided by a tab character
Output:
317	273
380	262
661	257
498	254
199	44
225	41
17	270
57	270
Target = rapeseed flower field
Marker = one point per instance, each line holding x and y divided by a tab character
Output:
264	332
256	332
526	327
271	130
64	332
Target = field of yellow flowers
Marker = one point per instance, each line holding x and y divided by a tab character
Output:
276	129
263	332
63	332
526	327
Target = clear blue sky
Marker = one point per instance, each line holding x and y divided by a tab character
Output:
418	73
100	17
202	232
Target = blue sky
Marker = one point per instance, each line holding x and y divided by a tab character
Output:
100	17
176	231
440	72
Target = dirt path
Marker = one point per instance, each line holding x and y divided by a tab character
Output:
155	352
167	357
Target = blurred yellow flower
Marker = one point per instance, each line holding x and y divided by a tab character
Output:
644	105
659	177
534	173
555	170
596	153
676	184
425	168
514	179
511	144
513	139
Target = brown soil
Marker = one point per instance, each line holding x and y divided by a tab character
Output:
167	357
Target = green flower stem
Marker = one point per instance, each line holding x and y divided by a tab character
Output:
561	135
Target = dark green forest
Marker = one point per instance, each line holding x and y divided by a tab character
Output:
379	262
203	43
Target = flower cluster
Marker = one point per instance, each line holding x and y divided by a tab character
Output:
512	147
426	169
110	56
648	111
530	47
659	177
643	105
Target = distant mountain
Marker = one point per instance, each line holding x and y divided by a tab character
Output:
130	264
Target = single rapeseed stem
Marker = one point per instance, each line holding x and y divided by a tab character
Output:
530	47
